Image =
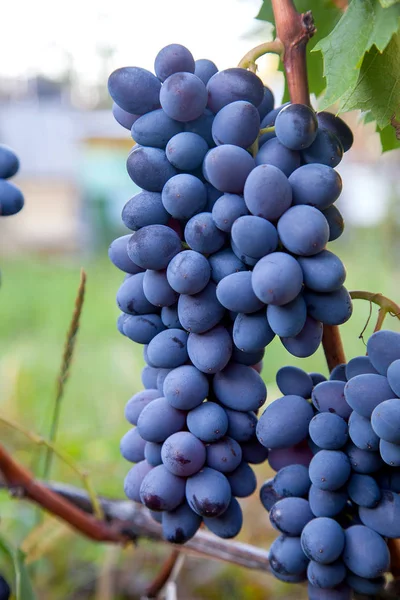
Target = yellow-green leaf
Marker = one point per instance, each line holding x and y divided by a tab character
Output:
22	587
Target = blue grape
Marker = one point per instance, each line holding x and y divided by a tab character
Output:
323	272
224	263
134	479
317	378
224	455
270	117
149	168
364	393
293	380
229	524
363	461
156	516
155	129
390	453
383	348
268	495
303	230
227	168
168	349
369	587
298	578
183	97
9	162
241	425
202	126
365	553
339	592
149	377
242	480
158	420
326	576
186	150
200	312
284	422
152	453
208	422
335	222
210	352
144	209
227	209
183	454
326	149
162	374
205	69
286	556
250	359
131	298
132	446
154	246
169	316
188	272
180	525
328	431
122	117
330	469
296	126
289	319
185	387
237	123
248	260
118	254
277	278
358	366
325	503
267	103
161	490
267	192
385	420
363	490
202	235
254	236
253	452
338	373
137	403
231	85
157	289
252	332
331	308
384	518
274	153
5	590
328	396
183	196
173	58
323	540
336	125
388	479
208	493
239	387
142	328
316	185
134	89
393	376
11	199
292	481
307	341
290	515
235	292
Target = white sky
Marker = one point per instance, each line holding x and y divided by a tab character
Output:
44	35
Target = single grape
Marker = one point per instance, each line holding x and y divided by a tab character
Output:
161	490
188	272
132	446
9	163
169	316
365	392
185	387
186	150
239	387
292	480
383	348
326	576
237	123
131	298
142	328
330	469
134	89
253	452
328	396
223	263
289	319
149	168
393	376
384	518
134	479
390	453
183	96
323	540
153	247
293	380
183	196
284	422
363	490
241	425
267	192
183	454
235	292
152	453
326	149
363	461
323	272
210	352
180	525
331	308
202	235
296	126
325	503
336	125
303	230
290	515
205	69
254	236
158	420
122	117
168	349
316	185
307	341
227	168
227	209
231	85
335	222
157	289
385	420
208	493
144	209
155	129
286	556
201	312
328	431
224	455
137	403
208	422
229	524
274	153
277	278
173	58
365	553
251	332
242	480
118	254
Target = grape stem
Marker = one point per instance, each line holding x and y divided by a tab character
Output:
386	306
267	130
249	59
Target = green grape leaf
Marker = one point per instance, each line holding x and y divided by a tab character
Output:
325	14
387	3
22	587
388	137
378	87
365	24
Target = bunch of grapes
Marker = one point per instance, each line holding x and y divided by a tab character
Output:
228	251
335	497
11	198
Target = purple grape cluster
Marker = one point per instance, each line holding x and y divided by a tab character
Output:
335	498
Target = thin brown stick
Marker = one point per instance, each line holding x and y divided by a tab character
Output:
386	305
333	347
164	574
